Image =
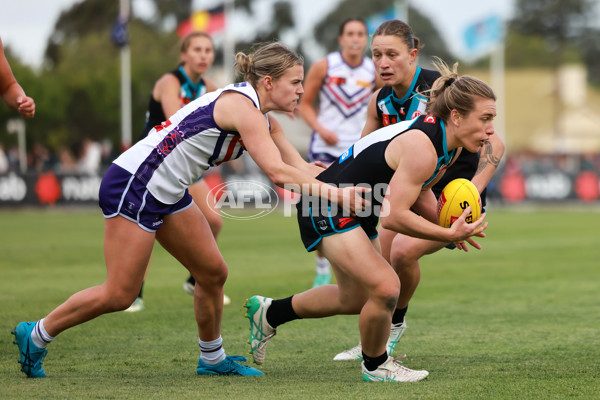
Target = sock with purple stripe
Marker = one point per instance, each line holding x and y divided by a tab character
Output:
212	352
39	336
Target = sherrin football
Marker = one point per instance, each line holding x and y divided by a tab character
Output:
456	196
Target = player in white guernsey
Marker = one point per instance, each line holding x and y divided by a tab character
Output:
343	82
170	92
144	197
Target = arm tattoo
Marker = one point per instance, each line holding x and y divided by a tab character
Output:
486	157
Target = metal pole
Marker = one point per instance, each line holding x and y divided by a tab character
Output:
497	72
401	10
125	84
18	126
229	42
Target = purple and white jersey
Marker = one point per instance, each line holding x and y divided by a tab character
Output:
176	153
343	101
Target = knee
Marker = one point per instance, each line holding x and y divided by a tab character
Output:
215	276
403	258
387	292
118	299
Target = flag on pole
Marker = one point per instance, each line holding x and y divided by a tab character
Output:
484	36
118	33
210	21
375	20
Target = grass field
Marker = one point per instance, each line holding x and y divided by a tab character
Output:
518	320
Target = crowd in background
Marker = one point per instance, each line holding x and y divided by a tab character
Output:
89	158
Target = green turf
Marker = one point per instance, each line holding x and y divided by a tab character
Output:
517	320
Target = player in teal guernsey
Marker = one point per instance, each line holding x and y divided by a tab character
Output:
189	90
404	97
144	197
401	161
343	81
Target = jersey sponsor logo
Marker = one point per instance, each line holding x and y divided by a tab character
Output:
363	84
430	119
346	154
157	223
389	119
163	125
336	80
416	114
344	221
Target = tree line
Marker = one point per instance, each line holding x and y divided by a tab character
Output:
77	90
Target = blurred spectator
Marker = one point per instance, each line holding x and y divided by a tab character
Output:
4	165
91	155
40	158
107	155
13	158
67	164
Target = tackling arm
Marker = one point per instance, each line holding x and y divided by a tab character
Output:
254	131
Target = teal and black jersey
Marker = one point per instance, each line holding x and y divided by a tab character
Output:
364	164
391	109
189	91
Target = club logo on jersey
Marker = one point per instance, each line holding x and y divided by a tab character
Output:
322	225
430	119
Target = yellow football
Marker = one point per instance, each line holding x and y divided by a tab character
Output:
455	198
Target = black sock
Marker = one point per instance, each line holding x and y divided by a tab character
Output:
399	315
191	280
280	312
371	363
141	294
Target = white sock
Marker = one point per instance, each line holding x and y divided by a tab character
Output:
212	352
322	265
39	336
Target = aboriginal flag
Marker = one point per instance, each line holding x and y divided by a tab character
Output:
210	21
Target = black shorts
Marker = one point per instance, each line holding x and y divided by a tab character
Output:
315	225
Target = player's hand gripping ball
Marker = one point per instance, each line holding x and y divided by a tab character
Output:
455	198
